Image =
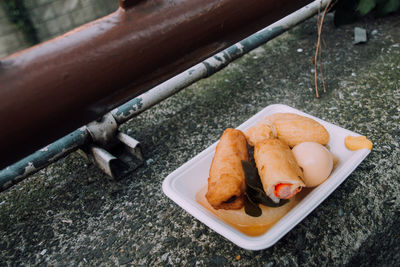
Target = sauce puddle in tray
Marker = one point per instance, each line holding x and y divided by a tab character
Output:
252	226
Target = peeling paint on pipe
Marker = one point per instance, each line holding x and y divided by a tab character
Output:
43	157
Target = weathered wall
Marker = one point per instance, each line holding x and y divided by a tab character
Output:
51	18
11	39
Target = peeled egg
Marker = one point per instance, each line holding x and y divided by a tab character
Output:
315	160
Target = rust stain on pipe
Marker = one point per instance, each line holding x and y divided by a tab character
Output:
53	88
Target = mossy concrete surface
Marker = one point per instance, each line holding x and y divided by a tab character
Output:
71	214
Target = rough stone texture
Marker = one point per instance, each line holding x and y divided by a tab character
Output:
70	214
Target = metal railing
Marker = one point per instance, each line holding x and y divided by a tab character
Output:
82	136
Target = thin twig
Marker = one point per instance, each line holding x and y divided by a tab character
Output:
321	70
324	43
316	54
320	22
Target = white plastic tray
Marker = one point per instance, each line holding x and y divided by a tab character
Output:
183	184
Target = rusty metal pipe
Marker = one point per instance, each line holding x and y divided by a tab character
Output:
53	88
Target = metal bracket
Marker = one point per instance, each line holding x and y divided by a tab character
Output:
103	130
115	153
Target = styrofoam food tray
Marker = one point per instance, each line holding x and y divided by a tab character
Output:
183	184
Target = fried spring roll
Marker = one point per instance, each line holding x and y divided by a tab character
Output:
279	172
226	181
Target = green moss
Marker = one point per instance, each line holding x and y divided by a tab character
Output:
19	16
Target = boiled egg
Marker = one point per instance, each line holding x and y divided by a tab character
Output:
315	160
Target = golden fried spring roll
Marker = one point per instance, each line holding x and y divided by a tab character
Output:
226	181
294	129
279	172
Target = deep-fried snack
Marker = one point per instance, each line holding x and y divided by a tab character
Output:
259	132
279	172
226	181
357	142
294	129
